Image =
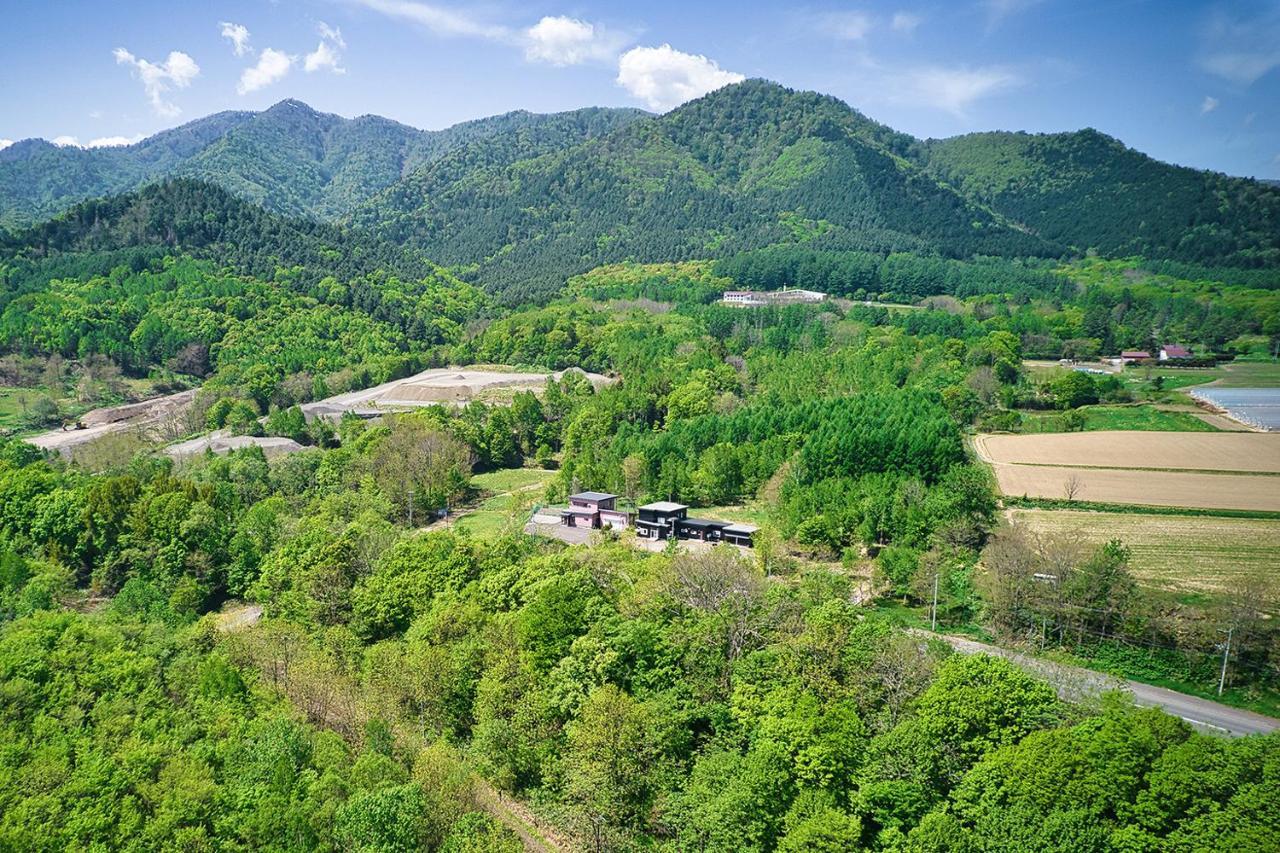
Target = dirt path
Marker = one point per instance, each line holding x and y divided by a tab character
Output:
535	834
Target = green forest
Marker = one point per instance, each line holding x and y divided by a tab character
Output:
313	650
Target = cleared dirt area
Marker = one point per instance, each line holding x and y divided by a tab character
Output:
149	415
1145	488
447	385
1172	552
1200	451
221	443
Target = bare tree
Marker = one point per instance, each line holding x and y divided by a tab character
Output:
1073	487
720	581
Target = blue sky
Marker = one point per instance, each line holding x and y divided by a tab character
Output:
1187	82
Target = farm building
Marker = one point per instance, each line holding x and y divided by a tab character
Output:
595	510
1130	356
1174	352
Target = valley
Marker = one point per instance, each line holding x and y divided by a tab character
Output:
295	407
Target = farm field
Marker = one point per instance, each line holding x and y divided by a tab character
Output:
1178	553
1221	470
1144	418
1208	451
1142	488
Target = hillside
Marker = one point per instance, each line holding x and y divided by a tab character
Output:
289	158
203	220
1135	204
746	166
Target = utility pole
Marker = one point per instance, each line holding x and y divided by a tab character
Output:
410	507
1226	653
935	600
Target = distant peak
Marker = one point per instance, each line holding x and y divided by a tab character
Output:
290	104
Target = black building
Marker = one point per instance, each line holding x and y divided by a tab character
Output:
658	520
703	529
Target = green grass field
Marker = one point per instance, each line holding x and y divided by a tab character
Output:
1237	374
502	492
1103	417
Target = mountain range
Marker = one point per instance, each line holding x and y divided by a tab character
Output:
520	201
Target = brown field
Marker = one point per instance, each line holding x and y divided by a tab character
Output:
1203	451
1172	552
1204	470
1147	488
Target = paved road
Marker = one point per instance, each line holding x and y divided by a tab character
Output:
1075	683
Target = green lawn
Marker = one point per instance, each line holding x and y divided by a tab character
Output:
752	513
10	408
501	492
1102	417
510	479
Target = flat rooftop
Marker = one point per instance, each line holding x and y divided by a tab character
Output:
592	496
702	522
665	506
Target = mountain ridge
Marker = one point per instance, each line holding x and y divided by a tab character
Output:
520	201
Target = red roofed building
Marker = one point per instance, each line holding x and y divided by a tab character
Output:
1174	351
1129	356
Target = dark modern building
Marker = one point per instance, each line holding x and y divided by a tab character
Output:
740	534
668	520
658	520
702	529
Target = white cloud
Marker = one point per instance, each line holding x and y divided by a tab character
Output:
561	41
65	142
272	66
664	77
112	141
1208	105
331	34
906	22
951	89
5	143
1243	47
177	71
324	57
238	35
440	20
847	26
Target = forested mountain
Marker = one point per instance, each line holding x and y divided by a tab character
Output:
290	158
1088	191
520	201
39	179
203	220
743	167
